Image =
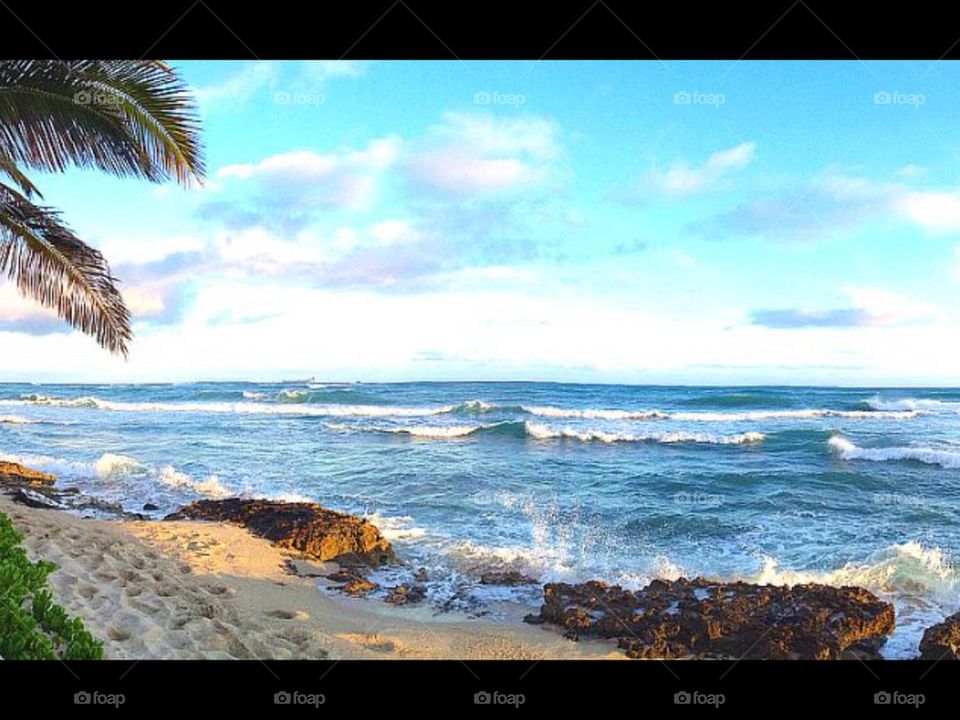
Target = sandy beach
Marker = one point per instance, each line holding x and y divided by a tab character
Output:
201	590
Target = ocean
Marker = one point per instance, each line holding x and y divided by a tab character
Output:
559	481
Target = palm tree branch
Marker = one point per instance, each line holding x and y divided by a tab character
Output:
50	264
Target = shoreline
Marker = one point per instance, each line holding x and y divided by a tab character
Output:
155	589
241	578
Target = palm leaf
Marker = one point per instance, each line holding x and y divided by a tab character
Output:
126	117
51	265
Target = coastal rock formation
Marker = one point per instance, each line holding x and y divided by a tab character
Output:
508	577
306	527
405	595
704	619
15	474
942	641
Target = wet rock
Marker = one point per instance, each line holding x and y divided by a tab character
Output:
306	527
406	594
150	507
508	577
358	586
942	641
705	619
17	475
420	575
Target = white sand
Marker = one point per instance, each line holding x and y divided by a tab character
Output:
208	590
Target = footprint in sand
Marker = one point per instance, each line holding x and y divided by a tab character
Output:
86	591
117	635
218	590
288	614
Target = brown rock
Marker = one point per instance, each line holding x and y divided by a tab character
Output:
704	619
358	586
405	595
420	575
942	641
306	527
508	577
17	474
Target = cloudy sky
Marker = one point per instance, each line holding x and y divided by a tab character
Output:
683	222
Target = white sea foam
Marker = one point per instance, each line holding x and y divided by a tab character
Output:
594	414
753	415
210	486
16	420
908	566
542	432
396	527
110	466
920	453
537	431
915	404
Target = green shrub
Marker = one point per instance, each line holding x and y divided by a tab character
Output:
32	625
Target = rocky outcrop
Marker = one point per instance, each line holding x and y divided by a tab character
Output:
406	594
305	527
704	619
508	577
942	641
14	474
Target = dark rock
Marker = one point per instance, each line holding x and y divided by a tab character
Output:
704	619
306	527
150	507
405	595
942	641
358	586
343	575
15	474
508	577
420	575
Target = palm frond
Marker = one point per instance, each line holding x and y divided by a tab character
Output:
126	117
53	266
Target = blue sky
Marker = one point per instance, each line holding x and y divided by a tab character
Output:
689	222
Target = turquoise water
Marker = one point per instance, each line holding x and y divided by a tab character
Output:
563	482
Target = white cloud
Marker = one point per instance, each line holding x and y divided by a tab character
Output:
683	180
239	86
886	307
344	178
468	155
936	212
145	250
